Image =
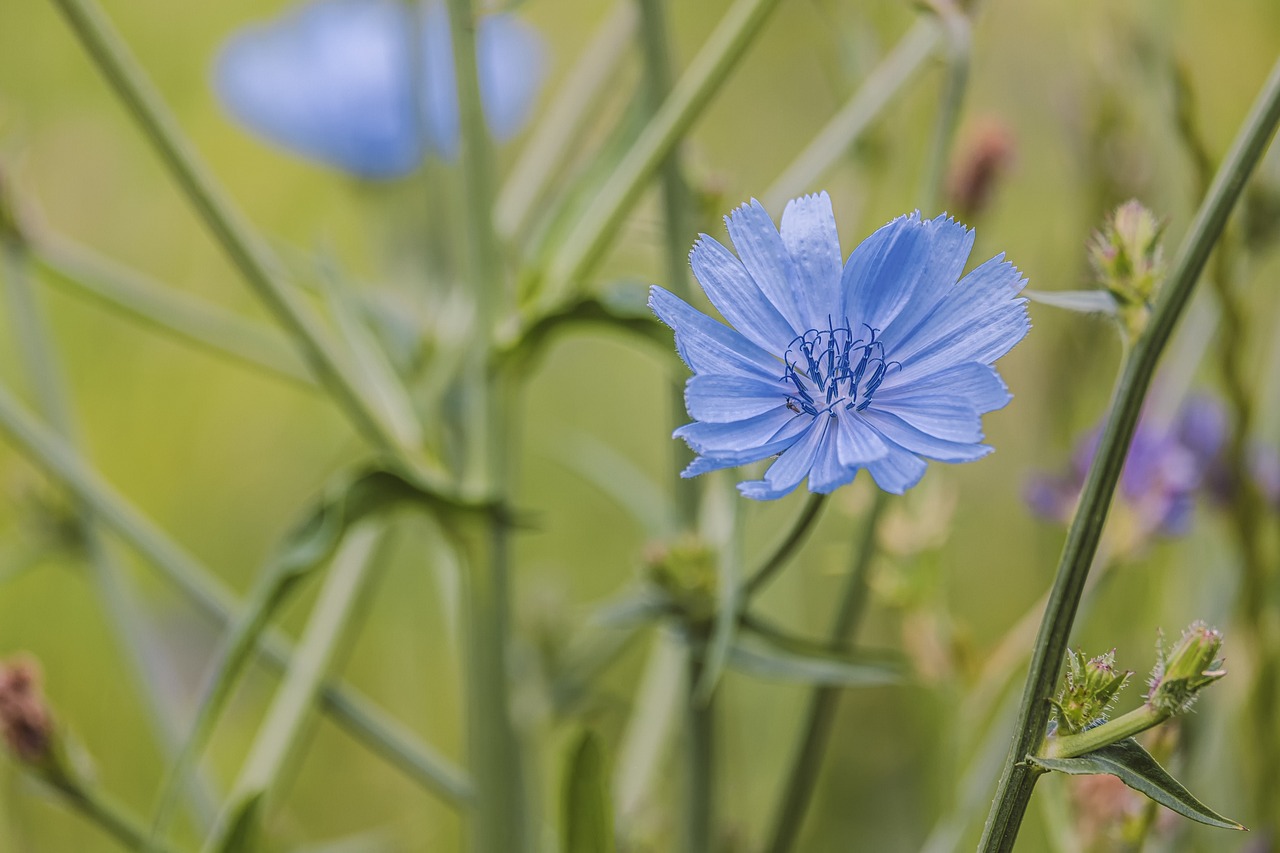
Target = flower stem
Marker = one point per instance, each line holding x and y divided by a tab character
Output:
823	701
204	589
590	237
1127	725
124	826
956	26
1018	779
244	249
700	754
787	547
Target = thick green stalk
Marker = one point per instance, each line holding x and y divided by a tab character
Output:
244	249
282	732
598	224
806	762
361	718
678	229
500	820
127	619
1018	779
795	537
700	759
170	312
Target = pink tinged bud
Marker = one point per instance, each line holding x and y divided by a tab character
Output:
25	720
1181	672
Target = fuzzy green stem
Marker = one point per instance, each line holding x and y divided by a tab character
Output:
591	235
282	732
244	249
203	588
820	715
800	531
1127	725
1018	779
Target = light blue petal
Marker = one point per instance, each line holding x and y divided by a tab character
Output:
723	399
948	246
749	452
737	297
512	65
979	385
743	436
791	467
830	472
898	470
908	437
439	87
328	81
881	272
708	346
949	418
809	233
763	253
856	442
979	320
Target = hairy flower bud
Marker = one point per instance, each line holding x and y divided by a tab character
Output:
1091	689
1182	671
1128	258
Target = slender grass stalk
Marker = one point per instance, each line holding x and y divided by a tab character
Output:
1018	779
283	731
361	718
169	312
111	816
955	25
800	530
500	821
820	715
130	623
590	237
564	120
677	230
244	249
699	821
901	66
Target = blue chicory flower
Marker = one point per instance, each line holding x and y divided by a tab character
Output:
879	365
335	81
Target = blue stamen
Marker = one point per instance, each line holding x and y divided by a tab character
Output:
835	363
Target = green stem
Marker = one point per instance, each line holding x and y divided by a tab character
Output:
114	818
895	71
127	619
800	530
244	249
823	701
362	719
501	820
1018	779
700	755
282	731
590	237
678	229
1126	725
170	312
959	47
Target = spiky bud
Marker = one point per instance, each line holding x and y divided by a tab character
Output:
1181	672
1091	689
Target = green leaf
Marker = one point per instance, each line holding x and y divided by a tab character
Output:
759	656
1135	767
631	609
245	834
588	818
1082	301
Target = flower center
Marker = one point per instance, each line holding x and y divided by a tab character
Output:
832	367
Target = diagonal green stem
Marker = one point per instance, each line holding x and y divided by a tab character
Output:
111	816
1018	779
282	731
126	616
591	235
788	546
823	701
959	44
245	250
364	720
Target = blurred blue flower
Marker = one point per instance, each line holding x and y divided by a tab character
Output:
1167	466
878	365
334	80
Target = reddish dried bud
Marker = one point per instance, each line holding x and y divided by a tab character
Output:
984	158
24	716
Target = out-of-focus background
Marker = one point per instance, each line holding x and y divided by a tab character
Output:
223	458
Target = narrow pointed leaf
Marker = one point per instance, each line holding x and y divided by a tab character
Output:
1134	766
1082	301
588	816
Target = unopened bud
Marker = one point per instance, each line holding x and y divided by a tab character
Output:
1128	258
24	717
1182	671
685	569
975	175
1091	689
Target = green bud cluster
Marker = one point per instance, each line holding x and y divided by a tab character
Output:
685	570
1182	671
1091	689
1128	259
